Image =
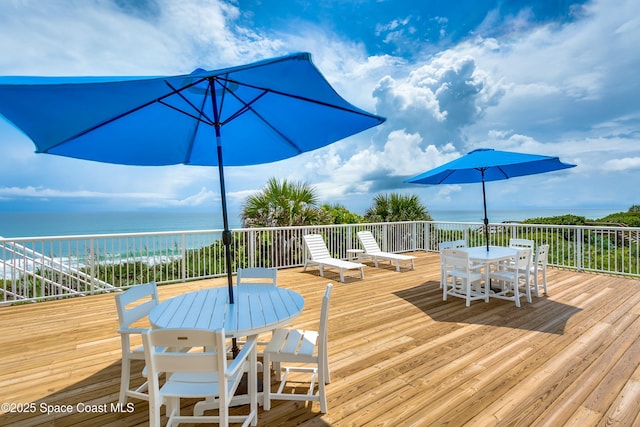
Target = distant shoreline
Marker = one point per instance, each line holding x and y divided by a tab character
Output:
27	224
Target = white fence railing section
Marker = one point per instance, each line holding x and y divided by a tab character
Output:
42	268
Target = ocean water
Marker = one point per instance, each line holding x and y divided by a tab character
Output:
33	224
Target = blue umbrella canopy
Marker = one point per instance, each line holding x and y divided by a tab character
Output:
265	111
256	113
486	164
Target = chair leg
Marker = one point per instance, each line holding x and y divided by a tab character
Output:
266	382
154	414
125	378
327	375
322	395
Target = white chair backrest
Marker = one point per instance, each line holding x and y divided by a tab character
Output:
523	259
521	243
135	303
368	242
459	243
158	345
454	259
316	246
324	322
542	255
257	276
445	245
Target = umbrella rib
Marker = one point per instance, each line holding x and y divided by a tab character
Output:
303	98
200	111
186	113
247	107
126	113
506	176
195	131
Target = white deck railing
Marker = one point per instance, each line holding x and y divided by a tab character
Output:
40	268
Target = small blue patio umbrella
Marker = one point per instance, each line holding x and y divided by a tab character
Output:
486	164
256	113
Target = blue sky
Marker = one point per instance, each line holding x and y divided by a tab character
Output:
548	77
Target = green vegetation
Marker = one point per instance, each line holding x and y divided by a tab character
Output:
558	220
282	204
338	214
396	207
631	218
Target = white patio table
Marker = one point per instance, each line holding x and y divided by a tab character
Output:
256	309
495	254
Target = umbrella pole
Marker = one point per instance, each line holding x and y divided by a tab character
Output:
226	233
486	219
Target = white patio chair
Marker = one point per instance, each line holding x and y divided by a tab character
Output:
203	372
319	255
257	276
133	306
521	243
300	347
372	250
460	243
513	278
441	247
461	279
453	244
540	267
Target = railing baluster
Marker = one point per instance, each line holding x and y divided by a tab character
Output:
34	269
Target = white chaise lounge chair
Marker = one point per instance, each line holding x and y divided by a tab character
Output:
372	250
319	255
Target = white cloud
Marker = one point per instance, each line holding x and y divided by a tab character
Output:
48	193
616	165
568	90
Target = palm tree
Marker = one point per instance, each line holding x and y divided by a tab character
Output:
281	204
397	207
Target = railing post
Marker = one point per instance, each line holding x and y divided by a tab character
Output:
92	264
414	235
579	248
426	235
183	257
385	232
252	249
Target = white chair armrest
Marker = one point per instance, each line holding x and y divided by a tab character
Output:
238	361
132	330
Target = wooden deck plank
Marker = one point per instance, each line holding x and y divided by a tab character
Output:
398	354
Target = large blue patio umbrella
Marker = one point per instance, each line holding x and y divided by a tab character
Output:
256	113
486	164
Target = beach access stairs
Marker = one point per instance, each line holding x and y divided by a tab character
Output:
32	273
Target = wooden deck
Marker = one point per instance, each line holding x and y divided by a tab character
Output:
398	355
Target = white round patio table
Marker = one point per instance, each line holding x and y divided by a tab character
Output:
256	309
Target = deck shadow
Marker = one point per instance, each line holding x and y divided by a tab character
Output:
93	401
542	315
